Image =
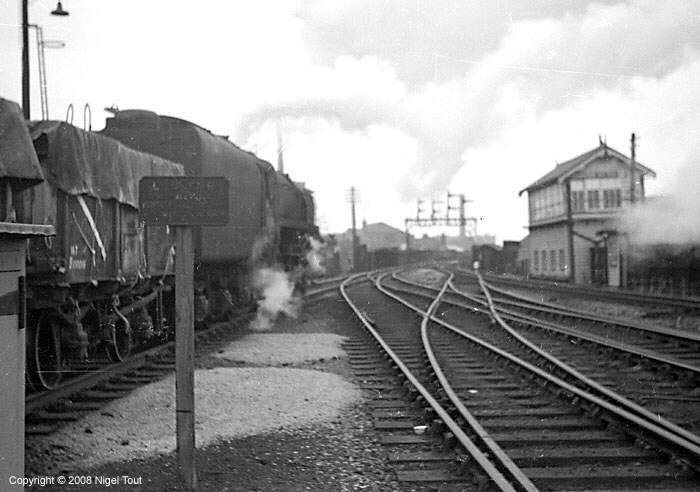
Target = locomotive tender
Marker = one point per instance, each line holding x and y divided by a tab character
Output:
104	282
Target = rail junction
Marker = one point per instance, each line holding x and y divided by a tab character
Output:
513	400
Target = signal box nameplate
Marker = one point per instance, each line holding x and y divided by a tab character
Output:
182	201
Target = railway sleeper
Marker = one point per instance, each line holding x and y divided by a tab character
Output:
545	456
602	477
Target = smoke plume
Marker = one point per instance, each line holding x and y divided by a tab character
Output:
277	297
671	218
315	259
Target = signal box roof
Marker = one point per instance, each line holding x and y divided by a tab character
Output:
566	169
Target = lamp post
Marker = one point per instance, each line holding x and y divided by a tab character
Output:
58	11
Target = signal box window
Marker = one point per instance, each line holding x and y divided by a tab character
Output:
612	198
593	199
544	260
577	201
552	260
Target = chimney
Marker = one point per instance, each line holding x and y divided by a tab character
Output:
280	152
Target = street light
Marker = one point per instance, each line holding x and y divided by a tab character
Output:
59	10
25	52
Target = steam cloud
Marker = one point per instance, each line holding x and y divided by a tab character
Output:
277	291
672	218
314	258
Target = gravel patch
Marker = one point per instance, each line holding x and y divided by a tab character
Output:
336	451
230	402
339	455
283	348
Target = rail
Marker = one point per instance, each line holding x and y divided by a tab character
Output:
518	476
678	438
459	434
581	314
619	399
602	293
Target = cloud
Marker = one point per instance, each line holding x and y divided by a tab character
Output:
663	113
411	32
602	69
204	62
403	98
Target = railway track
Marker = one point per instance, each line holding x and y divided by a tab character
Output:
662	387
658	368
678	349
683	345
660	302
46	411
529	418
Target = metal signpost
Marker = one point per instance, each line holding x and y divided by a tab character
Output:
183	203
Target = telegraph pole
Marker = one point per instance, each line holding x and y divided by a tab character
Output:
352	198
625	264
632	165
408	235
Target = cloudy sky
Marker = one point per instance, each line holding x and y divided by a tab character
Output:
404	99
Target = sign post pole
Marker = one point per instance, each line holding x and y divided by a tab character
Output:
184	356
181	203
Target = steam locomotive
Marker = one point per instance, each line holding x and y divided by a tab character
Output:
270	216
104	283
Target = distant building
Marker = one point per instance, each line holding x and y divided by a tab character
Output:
371	237
524	256
380	236
572	217
454	243
497	259
509	255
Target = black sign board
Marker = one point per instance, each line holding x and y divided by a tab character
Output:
183	201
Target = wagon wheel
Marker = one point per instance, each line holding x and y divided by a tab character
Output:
44	358
119	339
